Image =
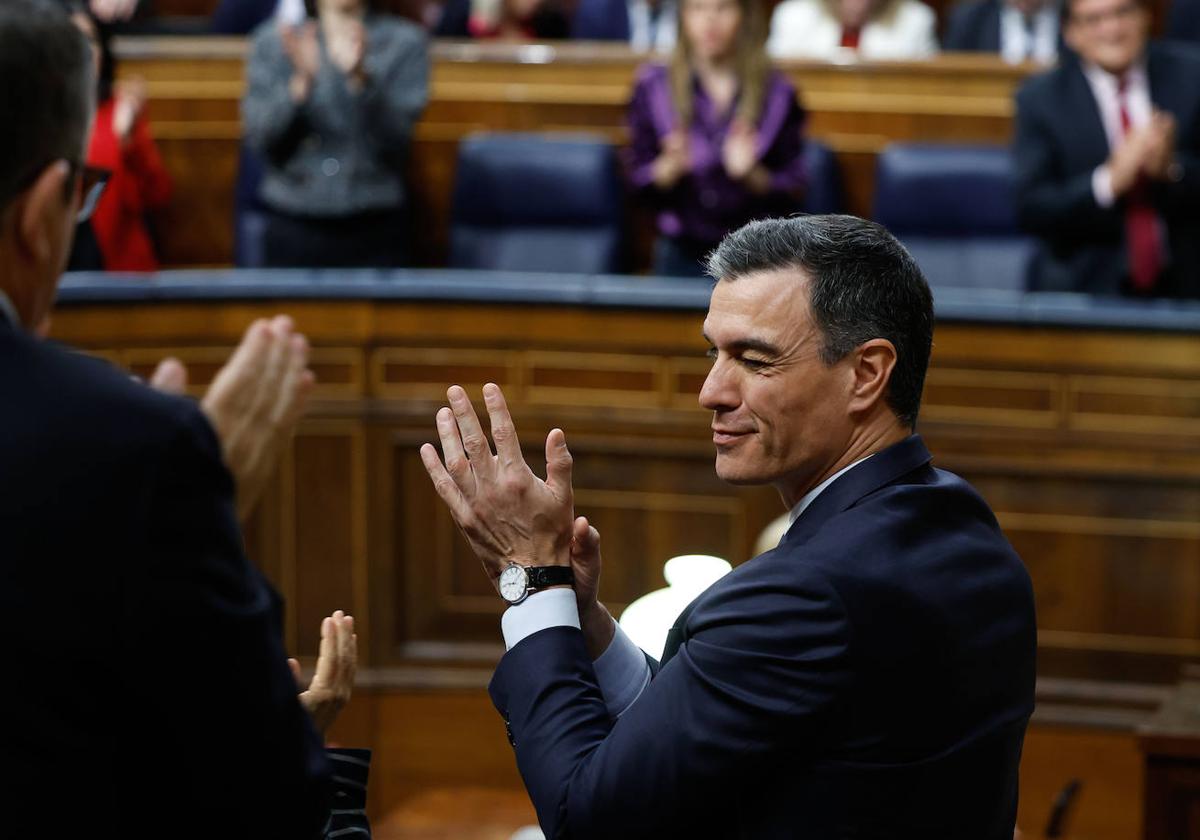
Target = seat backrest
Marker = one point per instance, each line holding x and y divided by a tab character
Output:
537	202
823	193
954	208
249	223
946	190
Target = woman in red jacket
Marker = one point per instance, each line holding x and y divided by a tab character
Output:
121	143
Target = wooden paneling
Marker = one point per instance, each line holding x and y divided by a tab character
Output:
1085	442
1104	514
195	85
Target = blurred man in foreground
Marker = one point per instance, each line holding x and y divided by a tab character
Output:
147	691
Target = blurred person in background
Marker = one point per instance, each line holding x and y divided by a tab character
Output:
1107	155
504	20
716	134
643	24
893	30
330	104
118	237
1019	30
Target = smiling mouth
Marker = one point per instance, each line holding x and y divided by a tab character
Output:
726	437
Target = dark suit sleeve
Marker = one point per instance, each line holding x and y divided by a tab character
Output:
960	36
1050	202
231	746
762	669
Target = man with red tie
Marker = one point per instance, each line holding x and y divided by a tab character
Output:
1108	159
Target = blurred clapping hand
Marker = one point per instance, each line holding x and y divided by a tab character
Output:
109	11
254	403
329	691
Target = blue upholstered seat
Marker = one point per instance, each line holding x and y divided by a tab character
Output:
537	202
249	222
824	190
954	209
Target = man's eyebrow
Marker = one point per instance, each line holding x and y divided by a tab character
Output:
743	344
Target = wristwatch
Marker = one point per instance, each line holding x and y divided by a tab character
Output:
517	582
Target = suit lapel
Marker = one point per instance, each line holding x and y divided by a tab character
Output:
1081	114
880	470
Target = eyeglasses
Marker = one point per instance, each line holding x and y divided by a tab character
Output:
93	180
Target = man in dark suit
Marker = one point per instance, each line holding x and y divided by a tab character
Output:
1018	30
871	677
1107	152
147	691
643	24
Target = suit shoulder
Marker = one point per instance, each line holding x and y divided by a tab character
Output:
1182	59
100	404
1045	87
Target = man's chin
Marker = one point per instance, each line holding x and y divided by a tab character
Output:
736	474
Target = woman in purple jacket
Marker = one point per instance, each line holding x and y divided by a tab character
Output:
717	135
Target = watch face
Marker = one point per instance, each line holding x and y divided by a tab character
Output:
513	583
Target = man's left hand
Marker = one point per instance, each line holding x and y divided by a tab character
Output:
337	661
507	514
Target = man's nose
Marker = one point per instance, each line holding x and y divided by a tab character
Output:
719	391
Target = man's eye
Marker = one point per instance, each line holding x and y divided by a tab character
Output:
711	353
753	364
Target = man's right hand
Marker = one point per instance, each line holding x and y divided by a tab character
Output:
255	402
1127	160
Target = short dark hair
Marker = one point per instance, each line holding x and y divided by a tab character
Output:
1065	11
863	284
46	91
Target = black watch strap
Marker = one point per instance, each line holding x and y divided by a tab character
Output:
542	576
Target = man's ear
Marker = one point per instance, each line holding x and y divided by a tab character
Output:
39	213
874	361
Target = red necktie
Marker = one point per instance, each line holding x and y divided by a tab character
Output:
850	36
1143	235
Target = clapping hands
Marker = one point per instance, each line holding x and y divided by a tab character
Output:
507	514
329	691
129	101
254	403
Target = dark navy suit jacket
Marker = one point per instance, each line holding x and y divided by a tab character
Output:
974	27
148	691
1183	22
1060	140
871	677
601	20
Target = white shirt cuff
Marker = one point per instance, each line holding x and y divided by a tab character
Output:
540	611
1102	189
622	672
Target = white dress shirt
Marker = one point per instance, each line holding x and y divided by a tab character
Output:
905	29
1021	41
647	32
291	12
7	311
1137	102
622	670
